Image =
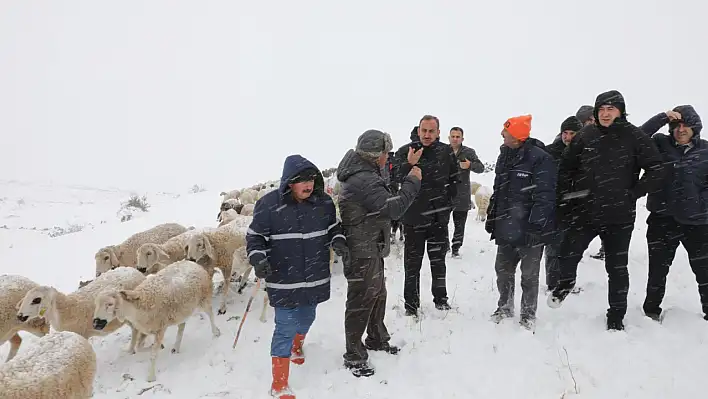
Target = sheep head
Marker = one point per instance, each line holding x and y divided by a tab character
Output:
106	260
474	186
107	308
198	247
37	303
149	255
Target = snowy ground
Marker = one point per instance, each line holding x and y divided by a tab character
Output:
456	354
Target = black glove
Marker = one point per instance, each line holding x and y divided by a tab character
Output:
262	268
339	245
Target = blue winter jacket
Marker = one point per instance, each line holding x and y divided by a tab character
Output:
522	208
295	237
684	194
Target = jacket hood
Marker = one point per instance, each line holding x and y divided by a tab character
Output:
351	164
535	142
295	164
690	118
615	99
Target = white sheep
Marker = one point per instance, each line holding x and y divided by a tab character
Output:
228	216
153	257
248	196
62	365
216	249
230	204
233	194
247	210
165	299
482	194
12	289
125	254
73	312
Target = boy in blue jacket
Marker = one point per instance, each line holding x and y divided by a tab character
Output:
288	245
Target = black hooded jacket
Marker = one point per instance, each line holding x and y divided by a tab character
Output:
603	164
684	193
440	172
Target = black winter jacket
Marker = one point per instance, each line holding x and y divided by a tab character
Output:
600	171
439	186
463	199
522	208
366	206
684	193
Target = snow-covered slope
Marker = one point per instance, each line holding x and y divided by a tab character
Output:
456	354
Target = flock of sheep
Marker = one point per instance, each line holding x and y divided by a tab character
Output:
153	280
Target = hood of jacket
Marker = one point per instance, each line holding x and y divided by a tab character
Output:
353	163
295	164
690	118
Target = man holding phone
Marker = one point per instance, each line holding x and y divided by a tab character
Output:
462	202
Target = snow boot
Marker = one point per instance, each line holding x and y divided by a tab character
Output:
411	312
528	323
297	355
281	372
500	315
614	324
442	305
360	369
384	347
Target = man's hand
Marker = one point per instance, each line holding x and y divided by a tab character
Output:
465	164
673	116
415	171
341	249
262	268
414	156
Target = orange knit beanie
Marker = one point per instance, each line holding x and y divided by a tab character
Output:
519	127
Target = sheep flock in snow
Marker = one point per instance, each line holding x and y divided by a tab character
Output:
153	280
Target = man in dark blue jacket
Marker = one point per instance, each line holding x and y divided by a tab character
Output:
679	212
521	217
288	244
600	172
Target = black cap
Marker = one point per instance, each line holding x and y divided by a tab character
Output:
584	113
571	123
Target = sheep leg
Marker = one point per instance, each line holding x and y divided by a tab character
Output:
178	341
226	271
206	308
265	309
15	343
244	279
134	334
159	336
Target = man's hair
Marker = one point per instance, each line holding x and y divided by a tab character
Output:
459	129
430	118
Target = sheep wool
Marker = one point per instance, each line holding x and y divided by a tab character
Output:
125	254
73	312
12	289
153	257
481	198
62	365
165	299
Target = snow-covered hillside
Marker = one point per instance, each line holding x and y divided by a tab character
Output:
456	354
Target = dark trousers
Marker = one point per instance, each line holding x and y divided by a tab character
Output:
365	308
436	238
616	238
508	258
459	218
663	237
552	251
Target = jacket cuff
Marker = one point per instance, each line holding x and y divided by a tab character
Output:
256	256
339	238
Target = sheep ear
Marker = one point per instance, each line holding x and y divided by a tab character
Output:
19	304
162	256
114	258
209	249
129	295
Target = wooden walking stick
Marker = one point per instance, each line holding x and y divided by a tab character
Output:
245	313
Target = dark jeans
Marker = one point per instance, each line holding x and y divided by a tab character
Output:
552	251
436	238
663	237
459	218
616	239
508	258
365	308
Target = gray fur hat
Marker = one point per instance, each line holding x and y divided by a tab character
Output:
373	143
